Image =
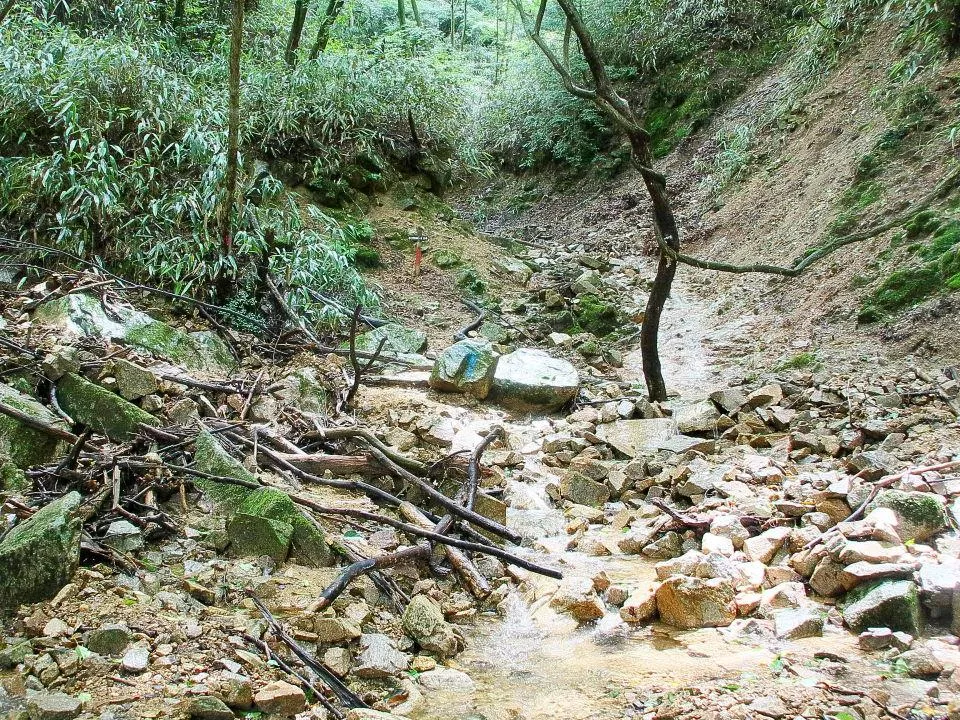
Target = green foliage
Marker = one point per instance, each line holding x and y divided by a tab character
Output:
799	361
470	280
596	316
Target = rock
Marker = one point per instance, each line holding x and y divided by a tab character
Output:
512	268
680	444
701	417
729	400
254	536
920	515
921	662
58	363
577	596
938	584
688	603
335	630
669	546
40	555
827	579
56	628
136	659
875	639
769	706
84	316
109	639
23	445
53	706
765	397
124	536
529	379
398	340
716	544
641	605
98	408
443	678
788	595
207	707
764	546
13	651
887	603
634	437
423	621
307	543
281	698
133	382
379	658
339	660
578	488
466	367
367	714
861	572
797	623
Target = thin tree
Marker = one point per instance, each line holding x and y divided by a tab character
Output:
401	13
416	13
233	144
323	32
600	91
296	31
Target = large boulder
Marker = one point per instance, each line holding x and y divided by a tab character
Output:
529	379
633	437
893	604
84	316
423	621
398	340
24	445
266	515
98	408
920	515
689	602
513	268
465	367
40	555
700	417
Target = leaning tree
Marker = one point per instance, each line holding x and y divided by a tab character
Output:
599	90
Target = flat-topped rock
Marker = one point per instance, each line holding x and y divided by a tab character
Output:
529	379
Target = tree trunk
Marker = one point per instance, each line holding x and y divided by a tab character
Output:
323	32
665	226
224	280
463	27
416	13
179	11
296	31
401	13
453	23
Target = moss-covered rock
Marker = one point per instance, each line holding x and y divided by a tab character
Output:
446	259
309	546
40	555
303	389
210	457
24	446
98	408
255	536
893	604
308	542
920	515
85	316
12	478
399	339
596	316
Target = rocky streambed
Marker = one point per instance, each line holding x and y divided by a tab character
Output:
784	547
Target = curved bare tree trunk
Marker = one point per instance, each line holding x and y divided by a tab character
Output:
296	31
602	94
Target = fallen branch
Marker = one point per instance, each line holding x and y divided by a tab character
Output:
35	424
358	369
700	526
344	694
474	324
363	567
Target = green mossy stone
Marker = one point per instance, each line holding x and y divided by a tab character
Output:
24	446
309	546
255	536
40	555
308	542
12	478
920	515
13	651
893	604
399	339
446	259
210	457
98	408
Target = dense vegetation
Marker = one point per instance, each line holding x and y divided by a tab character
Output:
113	117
